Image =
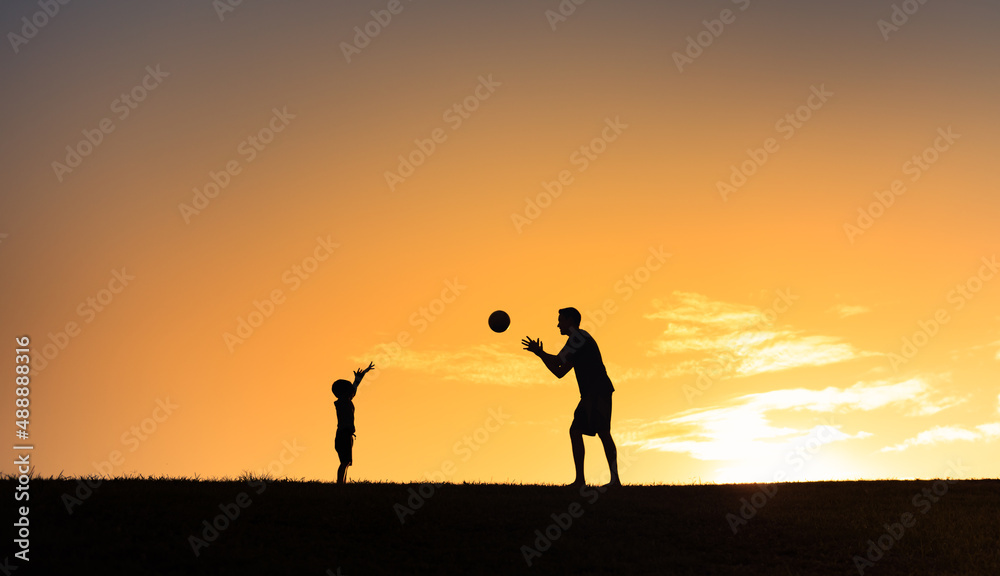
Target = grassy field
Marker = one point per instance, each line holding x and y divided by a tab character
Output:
258	526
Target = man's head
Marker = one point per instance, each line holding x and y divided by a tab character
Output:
569	320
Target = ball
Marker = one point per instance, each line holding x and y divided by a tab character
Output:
499	321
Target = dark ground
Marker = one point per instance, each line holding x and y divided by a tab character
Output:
143	526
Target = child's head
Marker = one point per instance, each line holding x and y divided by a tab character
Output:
342	389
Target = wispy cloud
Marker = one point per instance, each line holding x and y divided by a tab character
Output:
941	434
990	431
846	310
689	314
743	429
976	350
737	339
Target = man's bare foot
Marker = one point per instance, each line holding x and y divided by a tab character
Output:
613	484
576	484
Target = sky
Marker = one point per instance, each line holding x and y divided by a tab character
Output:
778	219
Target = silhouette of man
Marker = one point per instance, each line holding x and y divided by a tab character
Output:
593	414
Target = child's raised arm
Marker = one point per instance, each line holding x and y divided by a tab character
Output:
359	374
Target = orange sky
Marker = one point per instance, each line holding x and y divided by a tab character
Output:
783	239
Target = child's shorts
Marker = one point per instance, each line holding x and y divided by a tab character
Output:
344	445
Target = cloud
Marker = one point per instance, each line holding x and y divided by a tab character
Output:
728	339
693	312
992	348
791	351
845	310
990	431
940	434
863	396
743	430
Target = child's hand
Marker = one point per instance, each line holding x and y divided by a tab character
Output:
359	373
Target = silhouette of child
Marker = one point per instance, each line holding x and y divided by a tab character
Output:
344	442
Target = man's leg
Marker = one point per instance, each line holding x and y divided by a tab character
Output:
611	451
576	439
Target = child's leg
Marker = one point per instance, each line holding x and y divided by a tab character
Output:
344	444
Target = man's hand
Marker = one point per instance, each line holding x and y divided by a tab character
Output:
533	346
553	363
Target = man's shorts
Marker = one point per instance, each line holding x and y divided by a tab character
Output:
592	415
344	445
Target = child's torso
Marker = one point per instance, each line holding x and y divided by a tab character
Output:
345	415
